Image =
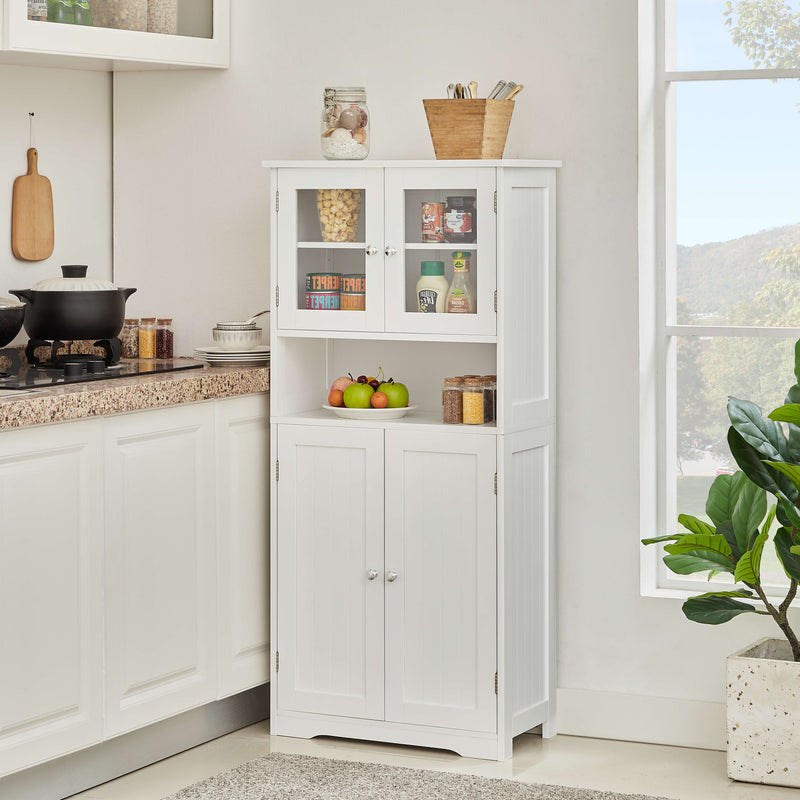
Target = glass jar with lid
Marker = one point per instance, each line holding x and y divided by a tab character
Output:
147	337
130	338
164	338
345	124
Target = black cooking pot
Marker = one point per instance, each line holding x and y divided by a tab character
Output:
74	307
11	317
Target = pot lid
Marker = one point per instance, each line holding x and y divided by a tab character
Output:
74	280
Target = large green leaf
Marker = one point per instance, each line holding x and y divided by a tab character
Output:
788	552
712	609
749	512
695	525
791	471
748	568
725	529
797	360
765	435
749	461
793	437
786	413
790	516
698	561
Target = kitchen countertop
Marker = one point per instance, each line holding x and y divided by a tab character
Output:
120	395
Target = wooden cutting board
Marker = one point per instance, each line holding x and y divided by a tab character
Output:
32	230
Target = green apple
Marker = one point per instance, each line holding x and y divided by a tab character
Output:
357	395
397	394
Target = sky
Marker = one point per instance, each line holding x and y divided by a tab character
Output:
738	146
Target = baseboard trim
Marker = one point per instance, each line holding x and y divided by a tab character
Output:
80	771
641	718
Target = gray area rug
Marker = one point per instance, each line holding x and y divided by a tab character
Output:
279	776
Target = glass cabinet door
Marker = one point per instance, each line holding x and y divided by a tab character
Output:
330	249
440	243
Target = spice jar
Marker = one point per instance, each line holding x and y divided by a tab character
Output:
164	338
345	123
472	401
460	222
147	337
452	401
489	389
130	338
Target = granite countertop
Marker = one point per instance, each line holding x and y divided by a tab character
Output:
135	393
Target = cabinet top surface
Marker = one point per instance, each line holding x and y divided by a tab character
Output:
420	163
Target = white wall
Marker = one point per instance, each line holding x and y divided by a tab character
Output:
191	232
72	132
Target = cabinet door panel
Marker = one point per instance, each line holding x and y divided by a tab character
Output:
161	651
330	534
441	609
50	592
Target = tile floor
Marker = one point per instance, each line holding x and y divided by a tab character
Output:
673	772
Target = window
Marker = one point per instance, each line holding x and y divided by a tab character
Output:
719	242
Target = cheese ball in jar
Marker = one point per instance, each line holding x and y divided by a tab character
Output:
338	210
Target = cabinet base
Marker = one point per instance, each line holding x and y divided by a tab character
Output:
79	771
469	744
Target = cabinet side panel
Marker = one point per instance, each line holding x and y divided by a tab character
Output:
525	303
528	613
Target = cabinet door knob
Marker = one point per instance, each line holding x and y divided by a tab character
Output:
371	250
390	251
372	574
391	576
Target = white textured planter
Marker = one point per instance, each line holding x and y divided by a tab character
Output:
764	714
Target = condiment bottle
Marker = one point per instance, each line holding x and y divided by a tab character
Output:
147	337
164	338
432	288
82	12
60	11
345	123
461	295
130	338
472	401
452	401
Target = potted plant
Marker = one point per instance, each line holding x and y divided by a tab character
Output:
763	680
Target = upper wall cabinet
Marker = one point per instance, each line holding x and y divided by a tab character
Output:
123	34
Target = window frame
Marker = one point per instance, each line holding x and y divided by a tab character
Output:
658	329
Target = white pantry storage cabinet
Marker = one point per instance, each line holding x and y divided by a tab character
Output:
202	40
413	562
133	571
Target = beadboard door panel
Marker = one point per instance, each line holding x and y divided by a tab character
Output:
51	593
161	653
330	537
441	632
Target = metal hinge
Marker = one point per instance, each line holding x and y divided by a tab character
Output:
277	470
495	683
278	662
495	483
278	201
495	201
277	296
495	301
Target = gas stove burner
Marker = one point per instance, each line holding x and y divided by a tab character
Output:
111	347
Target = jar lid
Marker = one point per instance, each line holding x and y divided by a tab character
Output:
461	254
432	268
74	280
452	381
148	320
460	200
131	321
164	321
353	94
473	383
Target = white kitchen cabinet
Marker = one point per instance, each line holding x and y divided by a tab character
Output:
160	564
241	483
413	562
202	40
50	592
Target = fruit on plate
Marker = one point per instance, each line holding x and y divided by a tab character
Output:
357	395
397	393
379	400
336	398
341	384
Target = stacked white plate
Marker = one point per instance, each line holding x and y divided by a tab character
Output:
233	358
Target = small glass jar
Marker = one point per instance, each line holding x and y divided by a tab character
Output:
472	401
489	389
147	337
452	401
345	124
460	220
164	339
130	338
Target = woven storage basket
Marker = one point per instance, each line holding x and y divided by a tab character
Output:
468	128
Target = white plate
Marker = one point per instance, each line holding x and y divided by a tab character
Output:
368	413
235	356
262	348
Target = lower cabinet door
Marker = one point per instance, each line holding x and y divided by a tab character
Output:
330	579
51	592
440	584
160	573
